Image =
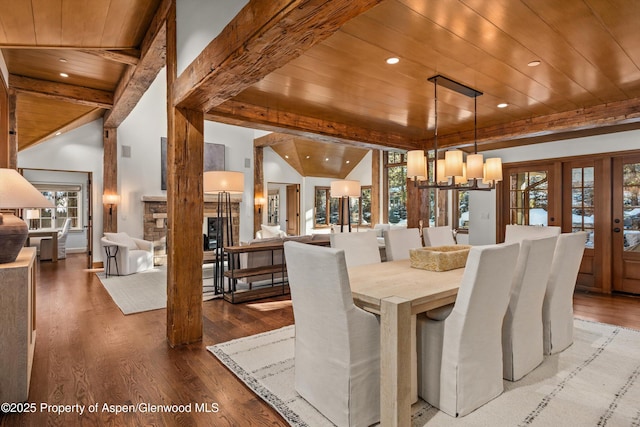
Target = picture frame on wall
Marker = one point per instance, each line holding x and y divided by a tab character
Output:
213	159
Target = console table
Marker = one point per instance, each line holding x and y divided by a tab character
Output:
17	325
233	295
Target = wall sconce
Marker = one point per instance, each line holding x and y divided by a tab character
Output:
110	199
259	202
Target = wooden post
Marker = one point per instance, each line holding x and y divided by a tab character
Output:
110	178
258	186
4	123
375	186
12	158
185	207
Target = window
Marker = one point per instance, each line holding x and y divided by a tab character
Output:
67	200
528	194
461	209
582	202
327	208
395	175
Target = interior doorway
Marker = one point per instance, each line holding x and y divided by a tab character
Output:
283	206
72	194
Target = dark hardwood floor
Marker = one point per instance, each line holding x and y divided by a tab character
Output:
88	352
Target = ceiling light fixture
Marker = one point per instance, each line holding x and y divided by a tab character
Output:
65	75
62	60
451	172
534	63
502	105
393	60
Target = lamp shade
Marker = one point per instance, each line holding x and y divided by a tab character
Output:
18	193
442	173
493	169
223	181
110	199
345	188
453	162
33	214
416	165
475	163
461	179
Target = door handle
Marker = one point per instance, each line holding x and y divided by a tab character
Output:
616	230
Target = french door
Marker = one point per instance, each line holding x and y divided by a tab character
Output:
598	194
626	224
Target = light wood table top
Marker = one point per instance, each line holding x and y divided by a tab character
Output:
370	284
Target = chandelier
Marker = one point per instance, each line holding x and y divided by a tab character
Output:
452	172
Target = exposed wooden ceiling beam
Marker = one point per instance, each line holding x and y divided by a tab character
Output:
137	79
130	56
62	91
313	128
260	39
92	115
585	121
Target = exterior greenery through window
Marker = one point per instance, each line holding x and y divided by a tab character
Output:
67	201
327	208
395	175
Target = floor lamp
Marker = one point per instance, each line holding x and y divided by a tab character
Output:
345	189
222	183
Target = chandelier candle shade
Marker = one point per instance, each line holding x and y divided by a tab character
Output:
452	172
222	183
16	193
345	189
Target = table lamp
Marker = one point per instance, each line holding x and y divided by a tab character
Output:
16	193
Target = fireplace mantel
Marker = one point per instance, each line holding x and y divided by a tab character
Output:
155	221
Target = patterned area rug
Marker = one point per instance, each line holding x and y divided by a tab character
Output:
595	382
147	290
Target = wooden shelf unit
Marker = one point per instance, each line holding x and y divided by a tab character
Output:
274	288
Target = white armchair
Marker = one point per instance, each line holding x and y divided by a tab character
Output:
133	255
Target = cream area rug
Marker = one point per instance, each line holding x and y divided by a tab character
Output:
595	382
147	290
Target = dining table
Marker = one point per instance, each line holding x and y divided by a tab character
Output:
396	292
54	240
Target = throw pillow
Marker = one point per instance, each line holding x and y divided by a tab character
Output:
270	231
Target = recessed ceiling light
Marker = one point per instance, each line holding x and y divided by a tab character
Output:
286	156
58	133
64	75
393	60
348	161
502	105
308	157
326	159
62	60
534	63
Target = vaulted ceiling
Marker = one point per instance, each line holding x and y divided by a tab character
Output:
341	89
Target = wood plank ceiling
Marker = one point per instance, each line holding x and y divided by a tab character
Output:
341	89
95	44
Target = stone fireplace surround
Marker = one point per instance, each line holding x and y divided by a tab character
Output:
155	222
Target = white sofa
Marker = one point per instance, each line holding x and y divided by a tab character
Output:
133	255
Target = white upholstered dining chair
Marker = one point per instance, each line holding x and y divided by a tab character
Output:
460	362
399	241
337	345
557	308
359	248
438	236
517	233
522	328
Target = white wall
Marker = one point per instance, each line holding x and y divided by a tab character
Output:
77	150
482	205
200	21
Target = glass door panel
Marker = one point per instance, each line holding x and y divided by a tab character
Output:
528	198
626	224
583	202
